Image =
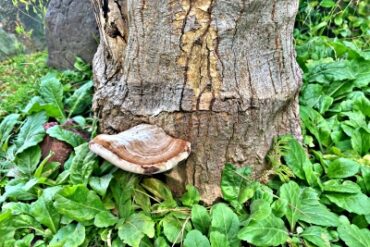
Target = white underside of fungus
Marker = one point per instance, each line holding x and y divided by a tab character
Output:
143	149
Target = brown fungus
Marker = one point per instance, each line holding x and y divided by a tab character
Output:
143	149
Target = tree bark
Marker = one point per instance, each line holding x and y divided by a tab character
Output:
220	74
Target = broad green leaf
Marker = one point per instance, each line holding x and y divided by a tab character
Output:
17	208
297	160
161	242
327	3
260	209
353	203
311	94
290	192
234	184
347	186
28	160
26	241
83	165
157	188
122	187
51	91
225	221
37	104
78	203
191	196
69	236
105	219
218	239
312	211
64	135
316	235
333	71
342	168
360	141
9	224
81	99
279	207
6	127
45	213
195	238
304	205
135	228
353	236
19	189
32	132
316	125
100	184
200	218
174	228
142	199
268	232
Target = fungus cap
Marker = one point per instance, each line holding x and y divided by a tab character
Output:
143	149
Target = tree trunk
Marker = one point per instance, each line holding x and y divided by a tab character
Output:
220	74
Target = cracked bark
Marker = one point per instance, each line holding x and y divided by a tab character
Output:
220	74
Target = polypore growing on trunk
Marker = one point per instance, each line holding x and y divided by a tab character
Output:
143	149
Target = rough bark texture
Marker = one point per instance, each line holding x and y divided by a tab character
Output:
220	74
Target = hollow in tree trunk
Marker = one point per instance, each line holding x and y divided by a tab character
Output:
220	74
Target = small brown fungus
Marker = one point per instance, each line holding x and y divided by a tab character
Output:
143	149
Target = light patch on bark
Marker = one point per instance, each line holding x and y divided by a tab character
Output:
199	50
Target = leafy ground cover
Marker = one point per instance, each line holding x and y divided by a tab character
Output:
317	195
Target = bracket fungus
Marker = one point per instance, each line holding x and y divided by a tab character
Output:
143	149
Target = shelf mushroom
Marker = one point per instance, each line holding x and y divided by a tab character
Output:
143	149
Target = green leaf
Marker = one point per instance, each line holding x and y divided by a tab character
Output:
122	186
200	218
67	136
316	235
100	184
6	127
268	232
32	132
28	160
83	165
316	125
37	104
135	228
279	207
174	228
161	242
327	3
234	185
329	72
353	203
290	192
51	91
353	236
342	168
260	209
191	196
105	219
195	238
157	188
218	239
71	235
360	141
345	187
297	160
304	205
78	203
45	213
81	99
225	221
